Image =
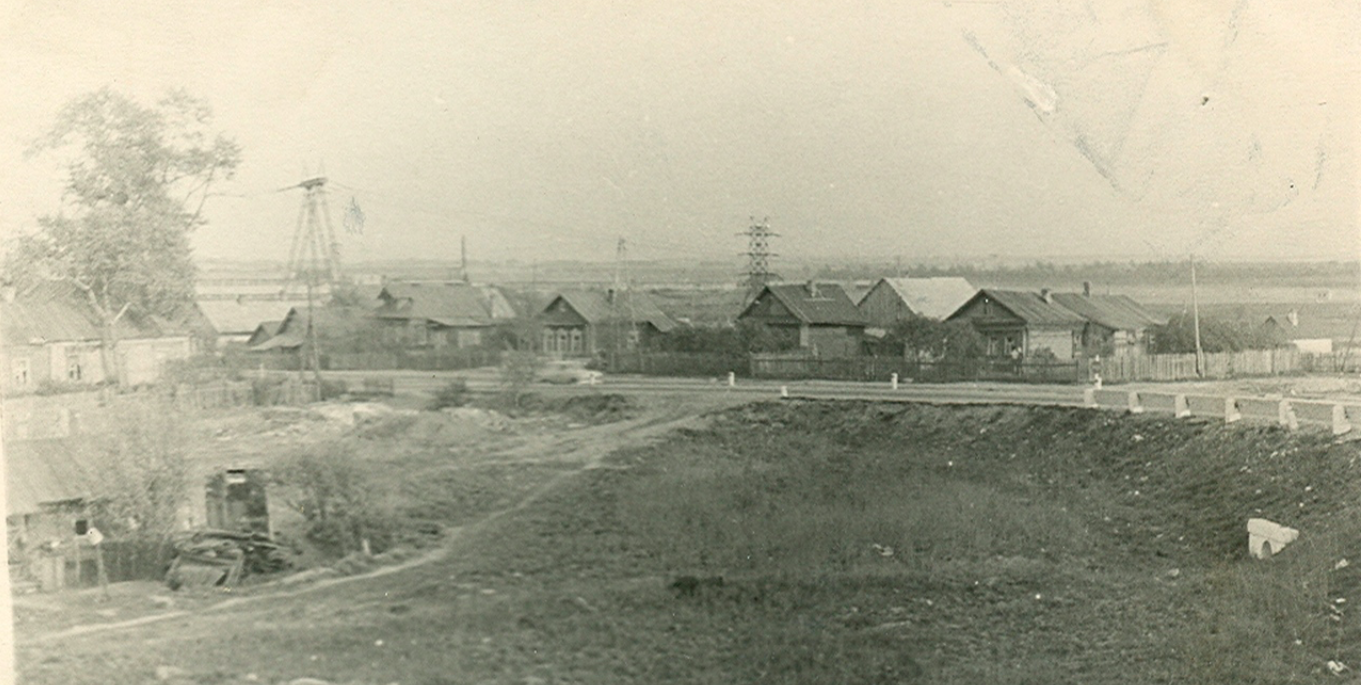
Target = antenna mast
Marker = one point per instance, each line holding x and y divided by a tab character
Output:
315	252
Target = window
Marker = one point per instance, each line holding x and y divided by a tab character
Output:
19	372
576	340
73	366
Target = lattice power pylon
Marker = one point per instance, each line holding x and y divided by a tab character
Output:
759	254
315	253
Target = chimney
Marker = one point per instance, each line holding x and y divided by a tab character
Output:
1294	317
813	288
1087	288
1045	295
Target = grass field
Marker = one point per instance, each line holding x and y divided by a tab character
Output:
821	542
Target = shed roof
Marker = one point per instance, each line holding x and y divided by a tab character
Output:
934	298
825	304
596	307
39	472
1117	312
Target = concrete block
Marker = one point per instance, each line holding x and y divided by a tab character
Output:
1267	409
1327	414
1206	405
1165	404
1112	399
1267	538
1133	403
1090	398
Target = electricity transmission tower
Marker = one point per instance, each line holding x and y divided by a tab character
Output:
759	255
314	253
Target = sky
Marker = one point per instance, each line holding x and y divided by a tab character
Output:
1111	129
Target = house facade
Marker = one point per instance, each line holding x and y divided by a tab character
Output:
1025	324
584	323
51	336
815	319
440	315
891	300
1116	325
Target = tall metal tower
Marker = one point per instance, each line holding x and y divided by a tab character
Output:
315	252
759	254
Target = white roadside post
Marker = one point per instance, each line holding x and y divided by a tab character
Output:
784	392
893	381
732	379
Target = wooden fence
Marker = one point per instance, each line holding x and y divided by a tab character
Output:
908	370
442	360
1178	367
694	365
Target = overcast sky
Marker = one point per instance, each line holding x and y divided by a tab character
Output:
1112	129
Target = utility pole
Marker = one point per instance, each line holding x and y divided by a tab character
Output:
1196	324
463	257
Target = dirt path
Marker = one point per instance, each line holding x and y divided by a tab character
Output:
587	447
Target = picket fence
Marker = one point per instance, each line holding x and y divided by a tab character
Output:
1178	367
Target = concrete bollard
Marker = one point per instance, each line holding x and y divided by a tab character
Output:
784	392
1133	403
1232	410
1090	398
1291	422
1180	408
1340	420
1267	538
893	381
1097	380
732	379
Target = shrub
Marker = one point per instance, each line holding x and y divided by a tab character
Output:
454	394
336	499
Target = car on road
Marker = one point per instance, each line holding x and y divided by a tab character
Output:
569	372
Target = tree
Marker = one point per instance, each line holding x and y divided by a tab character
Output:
136	181
928	339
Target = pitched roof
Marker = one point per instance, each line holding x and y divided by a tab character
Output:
241	317
596	307
1029	307
41	472
447	304
935	298
57	312
830	306
1117	312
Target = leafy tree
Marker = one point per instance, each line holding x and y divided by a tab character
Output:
137	179
1178	336
329	484
144	471
930	339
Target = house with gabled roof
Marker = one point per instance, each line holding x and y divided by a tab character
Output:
1023	325
589	322
440	315
818	319
1116	324
891	300
234	321
51	334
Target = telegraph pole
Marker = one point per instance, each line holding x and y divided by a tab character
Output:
1196	324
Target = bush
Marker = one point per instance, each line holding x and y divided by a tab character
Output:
337	500
454	394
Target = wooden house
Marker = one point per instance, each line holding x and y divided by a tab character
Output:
1116	325
579	323
1026	324
817	319
892	300
440	315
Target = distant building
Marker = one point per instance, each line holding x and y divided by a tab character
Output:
892	300
818	319
52	335
1116	325
588	322
337	329
1023	324
1310	336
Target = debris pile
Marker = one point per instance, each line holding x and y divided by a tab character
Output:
221	558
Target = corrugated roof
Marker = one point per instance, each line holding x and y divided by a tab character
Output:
41	472
935	298
595	306
1029	307
1117	312
830	307
448	304
241	317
